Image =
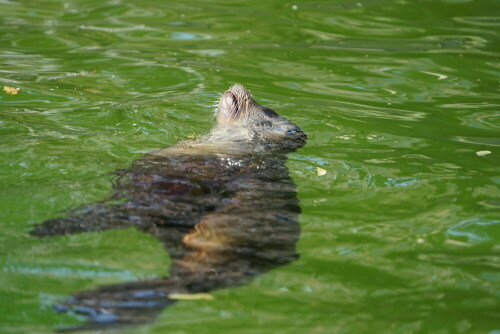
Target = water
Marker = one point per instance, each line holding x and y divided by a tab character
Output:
398	98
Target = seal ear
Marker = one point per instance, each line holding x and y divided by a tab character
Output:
228	110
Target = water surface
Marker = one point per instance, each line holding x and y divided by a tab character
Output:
399	100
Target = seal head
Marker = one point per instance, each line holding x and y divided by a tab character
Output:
240	117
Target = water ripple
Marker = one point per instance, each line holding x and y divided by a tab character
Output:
397	99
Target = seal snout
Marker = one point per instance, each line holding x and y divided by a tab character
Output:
228	110
233	104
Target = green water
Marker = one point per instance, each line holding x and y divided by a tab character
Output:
402	234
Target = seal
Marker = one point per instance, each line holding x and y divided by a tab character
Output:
223	206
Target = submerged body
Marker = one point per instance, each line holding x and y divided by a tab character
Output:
223	206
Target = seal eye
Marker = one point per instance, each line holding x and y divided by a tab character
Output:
228	110
269	112
265	124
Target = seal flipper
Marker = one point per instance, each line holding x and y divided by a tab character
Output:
131	303
97	217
